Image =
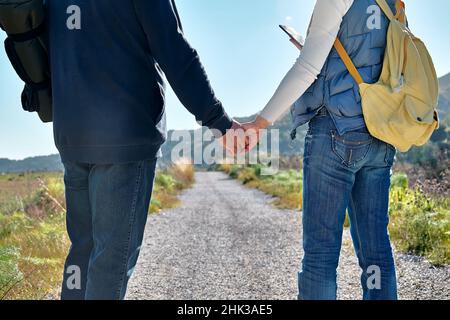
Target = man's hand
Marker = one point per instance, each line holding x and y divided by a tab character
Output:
253	132
234	140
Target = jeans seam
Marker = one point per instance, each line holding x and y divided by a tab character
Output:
307	146
362	256
389	151
132	218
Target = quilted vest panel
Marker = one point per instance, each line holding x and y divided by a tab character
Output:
335	88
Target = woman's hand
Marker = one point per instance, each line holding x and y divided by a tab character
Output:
253	132
234	141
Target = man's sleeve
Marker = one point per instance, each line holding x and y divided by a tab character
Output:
180	62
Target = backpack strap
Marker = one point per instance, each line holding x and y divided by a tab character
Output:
348	61
401	11
400	15
386	9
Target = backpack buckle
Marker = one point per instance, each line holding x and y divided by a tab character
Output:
401	84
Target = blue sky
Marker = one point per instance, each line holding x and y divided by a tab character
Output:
244	52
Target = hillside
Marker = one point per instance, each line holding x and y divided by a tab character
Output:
444	97
287	147
35	164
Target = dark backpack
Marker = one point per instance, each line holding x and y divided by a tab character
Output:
26	47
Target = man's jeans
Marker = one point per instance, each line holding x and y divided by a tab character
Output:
107	208
346	172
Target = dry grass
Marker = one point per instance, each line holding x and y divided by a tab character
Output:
168	185
17	186
33	238
33	241
286	186
184	173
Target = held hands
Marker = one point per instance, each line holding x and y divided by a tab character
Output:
244	137
253	132
234	140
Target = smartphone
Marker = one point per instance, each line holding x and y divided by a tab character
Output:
298	40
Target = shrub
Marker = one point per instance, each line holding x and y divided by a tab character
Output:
9	269
48	200
247	175
285	185
225	167
400	180
33	238
164	181
169	183
420	225
183	172
234	171
13	225
155	205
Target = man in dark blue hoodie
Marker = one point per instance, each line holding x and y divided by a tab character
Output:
108	59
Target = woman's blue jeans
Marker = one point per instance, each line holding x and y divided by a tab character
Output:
351	172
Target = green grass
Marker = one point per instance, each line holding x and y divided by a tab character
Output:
286	186
420	224
168	185
33	238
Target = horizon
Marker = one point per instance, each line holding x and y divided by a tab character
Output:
241	36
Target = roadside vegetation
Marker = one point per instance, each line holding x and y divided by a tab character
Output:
168	184
33	240
420	222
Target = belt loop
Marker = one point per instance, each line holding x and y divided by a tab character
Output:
323	111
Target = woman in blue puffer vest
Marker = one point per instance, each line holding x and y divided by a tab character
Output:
345	168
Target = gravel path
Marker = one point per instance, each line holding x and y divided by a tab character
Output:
228	242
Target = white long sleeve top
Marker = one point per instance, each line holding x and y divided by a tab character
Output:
324	28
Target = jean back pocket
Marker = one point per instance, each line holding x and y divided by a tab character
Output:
352	147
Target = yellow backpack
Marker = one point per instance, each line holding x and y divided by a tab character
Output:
400	108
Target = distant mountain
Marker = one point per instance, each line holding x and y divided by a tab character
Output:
36	164
287	147
295	147
444	97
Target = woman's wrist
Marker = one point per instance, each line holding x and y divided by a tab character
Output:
261	122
